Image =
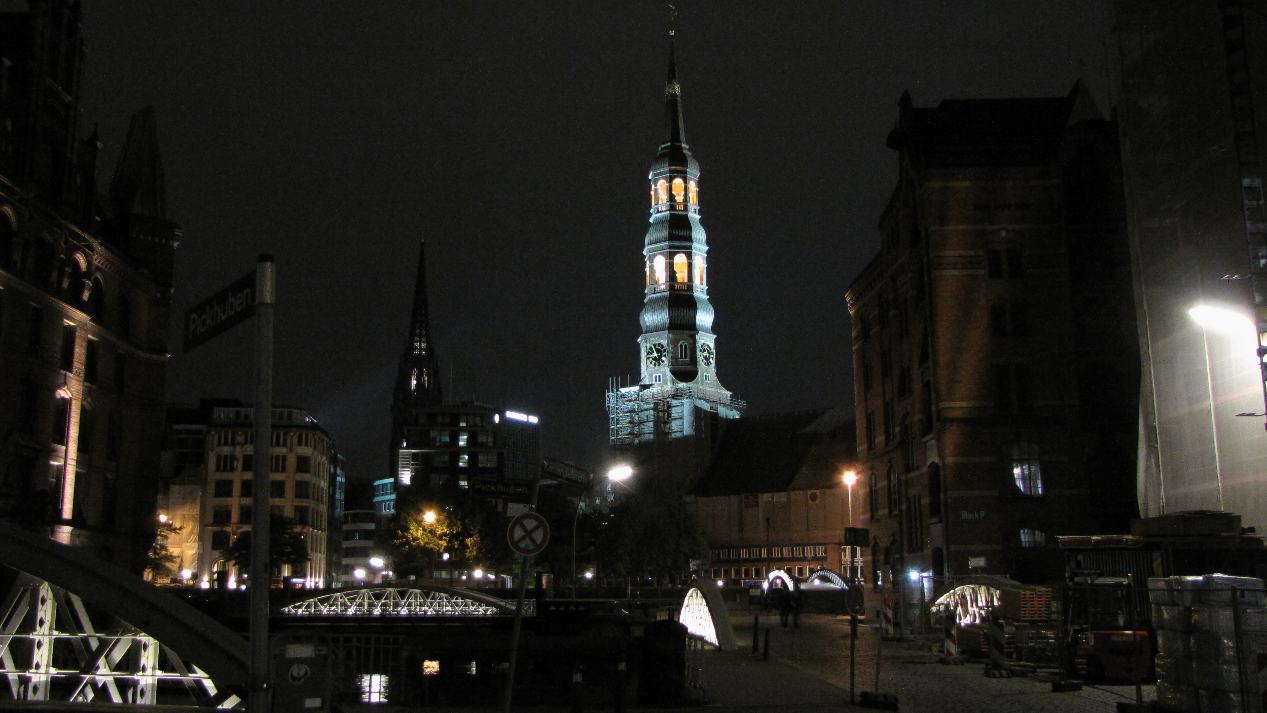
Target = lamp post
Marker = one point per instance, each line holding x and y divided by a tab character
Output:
615	474
849	478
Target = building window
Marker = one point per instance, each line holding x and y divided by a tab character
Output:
221	515
891	484
90	361
245	486
303	464
934	490
220	540
662	190
248	463
708	377
683	350
679	190
61	421
699	270
68	347
277	464
84	444
244	514
463	439
487	460
870	429
1004	263
303	490
302	515
658	264
440	460
277	488
224	463
439	438
681	271
693	195
464	460
657	378
1032	538
222	488
1027	471
873	499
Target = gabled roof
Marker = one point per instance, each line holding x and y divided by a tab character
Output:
802	450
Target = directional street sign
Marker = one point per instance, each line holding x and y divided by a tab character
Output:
528	534
219	312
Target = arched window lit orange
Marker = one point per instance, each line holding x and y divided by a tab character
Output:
699	270
681	269
679	190
694	193
646	272
659	269
662	190
652	190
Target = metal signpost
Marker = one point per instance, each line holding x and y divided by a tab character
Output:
853	597
527	535
250	295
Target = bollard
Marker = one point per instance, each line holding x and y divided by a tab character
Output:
756	631
577	681
765	649
950	641
620	686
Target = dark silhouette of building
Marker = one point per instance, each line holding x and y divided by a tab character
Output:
454	446
85	286
678	396
995	363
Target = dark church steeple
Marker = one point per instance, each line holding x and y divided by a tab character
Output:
418	382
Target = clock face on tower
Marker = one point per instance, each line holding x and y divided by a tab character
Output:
657	354
706	354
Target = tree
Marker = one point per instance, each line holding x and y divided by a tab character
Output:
653	532
463	526
286	546
160	563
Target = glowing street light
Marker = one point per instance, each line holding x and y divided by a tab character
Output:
429	517
619	473
1230	322
377	562
850	477
359	573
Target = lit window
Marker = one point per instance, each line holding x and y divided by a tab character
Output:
658	262
694	193
662	190
373	687
431	667
679	190
1026	470
699	270
1032	538
680	271
646	273
653	196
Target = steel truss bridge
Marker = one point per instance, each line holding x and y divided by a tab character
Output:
389	601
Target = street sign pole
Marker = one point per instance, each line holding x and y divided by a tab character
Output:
509	695
260	695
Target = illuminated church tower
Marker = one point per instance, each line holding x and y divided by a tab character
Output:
678	392
418	378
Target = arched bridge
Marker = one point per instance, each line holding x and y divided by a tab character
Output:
428	600
118	662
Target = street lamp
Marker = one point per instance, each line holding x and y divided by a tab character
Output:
850	477
1233	325
429	517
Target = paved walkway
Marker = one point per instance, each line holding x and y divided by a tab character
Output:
809	670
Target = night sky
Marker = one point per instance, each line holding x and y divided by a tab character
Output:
515	138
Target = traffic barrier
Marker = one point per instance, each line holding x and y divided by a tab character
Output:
887	619
997	667
950	642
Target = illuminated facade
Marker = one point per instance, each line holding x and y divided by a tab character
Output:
678	392
301	488
995	365
1192	75
85	286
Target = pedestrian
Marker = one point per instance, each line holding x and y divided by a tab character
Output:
784	603
796	609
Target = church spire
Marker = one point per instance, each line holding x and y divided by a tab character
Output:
419	380
673	101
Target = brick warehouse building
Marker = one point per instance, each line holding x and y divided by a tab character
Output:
85	286
995	362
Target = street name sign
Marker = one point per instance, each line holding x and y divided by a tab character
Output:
514	492
528	534
221	311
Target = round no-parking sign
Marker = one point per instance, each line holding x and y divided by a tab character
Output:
528	534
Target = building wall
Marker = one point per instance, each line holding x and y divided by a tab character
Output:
84	302
991	342
1188	238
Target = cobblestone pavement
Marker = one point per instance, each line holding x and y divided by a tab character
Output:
816	653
